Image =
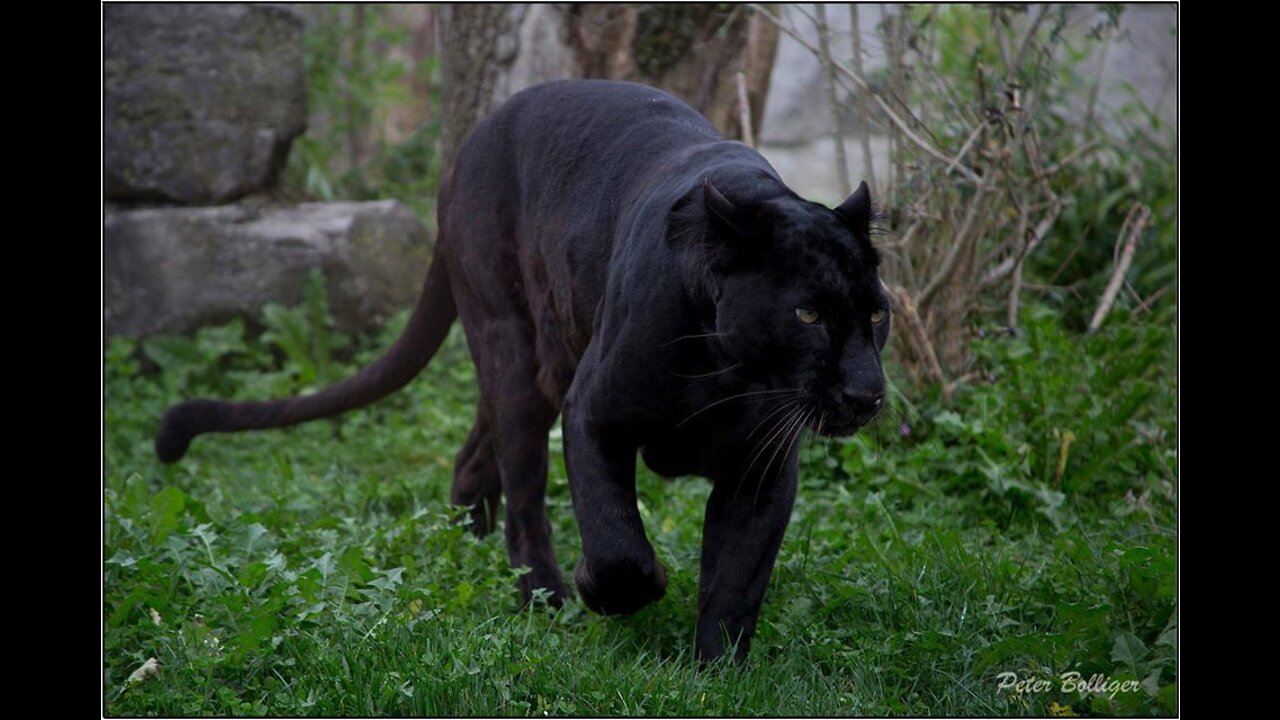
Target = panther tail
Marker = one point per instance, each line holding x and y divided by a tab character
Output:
427	328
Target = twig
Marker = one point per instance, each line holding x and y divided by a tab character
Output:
1071	157
1151	299
949	389
964	149
953	255
1096	90
837	132
744	111
907	309
1027	39
1015	287
892	33
888	111
860	101
1000	39
1013	240
1134	223
1001	272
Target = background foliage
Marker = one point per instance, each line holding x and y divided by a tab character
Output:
1024	522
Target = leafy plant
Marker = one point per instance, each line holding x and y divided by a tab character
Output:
320	569
356	76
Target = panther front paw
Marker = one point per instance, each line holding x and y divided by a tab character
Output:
620	587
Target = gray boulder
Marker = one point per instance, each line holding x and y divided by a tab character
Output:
200	102
170	270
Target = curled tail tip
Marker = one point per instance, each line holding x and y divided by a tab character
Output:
177	429
170	448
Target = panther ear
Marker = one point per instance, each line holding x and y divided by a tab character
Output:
718	207
856	211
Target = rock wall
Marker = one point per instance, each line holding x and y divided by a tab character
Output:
200	102
170	270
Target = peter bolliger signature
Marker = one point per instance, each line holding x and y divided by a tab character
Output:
1069	682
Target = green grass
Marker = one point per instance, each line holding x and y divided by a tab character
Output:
319	570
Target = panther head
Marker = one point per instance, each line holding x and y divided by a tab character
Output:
798	299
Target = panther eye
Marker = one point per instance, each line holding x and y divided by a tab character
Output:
808	316
878	317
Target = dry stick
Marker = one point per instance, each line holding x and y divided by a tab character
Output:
1000	39
949	390
1135	222
897	90
1015	291
744	111
1151	299
1005	269
355	118
953	255
888	111
964	149
1015	288
860	104
1071	157
1013	240
908	267
1096	90
924	49
1027	40
915	328
837	133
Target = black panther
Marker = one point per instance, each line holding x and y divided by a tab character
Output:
615	260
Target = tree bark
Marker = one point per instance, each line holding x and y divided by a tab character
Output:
478	47
692	50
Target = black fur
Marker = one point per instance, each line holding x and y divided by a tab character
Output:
614	259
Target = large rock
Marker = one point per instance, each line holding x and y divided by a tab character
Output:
200	102
170	270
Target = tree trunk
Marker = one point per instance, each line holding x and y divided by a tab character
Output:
692	50
478	43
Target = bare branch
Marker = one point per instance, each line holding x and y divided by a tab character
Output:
1027	40
1096	90
953	255
744	110
1151	300
920	339
1134	223
901	124
964	149
1001	272
837	133
860	100
1015	287
1071	157
1015	290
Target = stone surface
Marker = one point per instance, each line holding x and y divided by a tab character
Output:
170	270
200	102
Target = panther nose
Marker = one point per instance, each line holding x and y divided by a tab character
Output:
862	401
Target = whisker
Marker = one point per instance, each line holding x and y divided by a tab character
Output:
790	426
721	371
692	337
775	431
826	439
734	397
781	406
797	429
